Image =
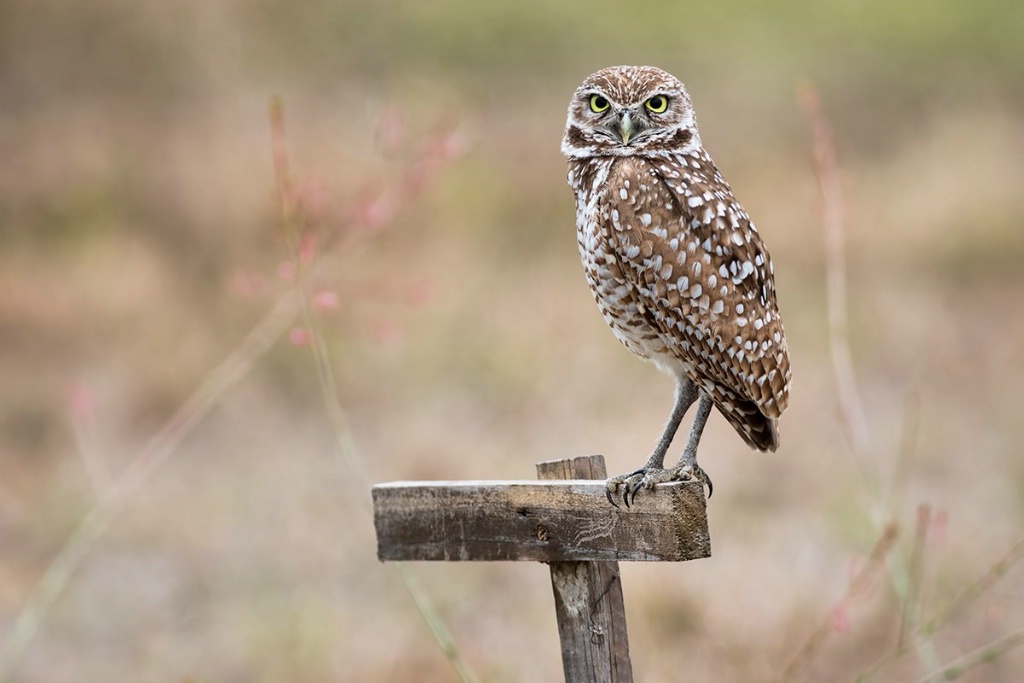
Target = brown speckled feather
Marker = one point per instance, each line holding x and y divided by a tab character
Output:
700	273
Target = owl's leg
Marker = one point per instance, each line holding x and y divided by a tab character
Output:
654	471
686	394
688	466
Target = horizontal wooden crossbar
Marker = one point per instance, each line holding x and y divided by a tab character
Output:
547	521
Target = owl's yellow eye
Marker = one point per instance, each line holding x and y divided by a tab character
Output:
657	104
598	104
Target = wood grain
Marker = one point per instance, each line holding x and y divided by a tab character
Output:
544	521
588	600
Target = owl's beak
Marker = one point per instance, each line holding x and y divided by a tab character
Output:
625	127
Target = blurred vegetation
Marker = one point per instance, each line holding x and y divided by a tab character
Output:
140	240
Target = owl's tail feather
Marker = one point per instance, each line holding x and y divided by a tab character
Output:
758	430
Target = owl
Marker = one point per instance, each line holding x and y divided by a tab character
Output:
675	265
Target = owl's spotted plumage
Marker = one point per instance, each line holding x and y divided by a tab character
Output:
678	271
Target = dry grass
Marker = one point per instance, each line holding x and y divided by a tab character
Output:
141	241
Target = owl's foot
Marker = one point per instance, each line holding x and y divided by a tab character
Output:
647	477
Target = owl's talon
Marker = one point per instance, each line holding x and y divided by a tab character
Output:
648	478
695	471
704	478
636	489
626	481
611	489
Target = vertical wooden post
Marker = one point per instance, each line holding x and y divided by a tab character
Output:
588	599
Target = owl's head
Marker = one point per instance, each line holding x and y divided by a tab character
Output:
630	110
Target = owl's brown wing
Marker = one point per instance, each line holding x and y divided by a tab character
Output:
701	272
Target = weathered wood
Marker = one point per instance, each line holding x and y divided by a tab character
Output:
588	600
544	521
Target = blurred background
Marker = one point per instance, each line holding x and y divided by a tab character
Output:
142	237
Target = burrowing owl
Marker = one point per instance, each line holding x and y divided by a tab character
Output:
676	267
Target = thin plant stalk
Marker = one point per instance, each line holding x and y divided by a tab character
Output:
906	580
954	607
833	211
850	400
857	586
985	654
160	447
293	224
911	615
976	589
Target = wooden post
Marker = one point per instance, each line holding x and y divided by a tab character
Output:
565	520
588	600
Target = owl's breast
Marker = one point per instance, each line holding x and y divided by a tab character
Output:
603	241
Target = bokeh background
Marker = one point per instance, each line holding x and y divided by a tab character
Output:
142	237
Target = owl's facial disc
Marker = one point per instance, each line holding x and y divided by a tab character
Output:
626	111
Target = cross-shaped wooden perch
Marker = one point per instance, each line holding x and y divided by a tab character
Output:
564	520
